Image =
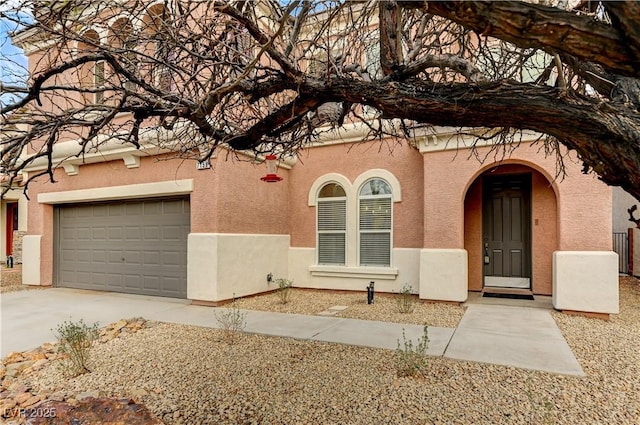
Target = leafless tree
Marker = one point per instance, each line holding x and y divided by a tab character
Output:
271	76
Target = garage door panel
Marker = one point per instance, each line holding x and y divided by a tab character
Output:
69	255
133	257
132	281
171	232
152	208
114	256
114	281
99	279
84	257
133	209
116	210
170	284
98	234
133	233
83	212
84	234
152	283
83	278
133	247
152	233
99	210
172	258
115	233
151	258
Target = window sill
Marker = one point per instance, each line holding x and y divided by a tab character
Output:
388	273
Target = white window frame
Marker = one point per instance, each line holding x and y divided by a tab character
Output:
352	268
344	232
389	231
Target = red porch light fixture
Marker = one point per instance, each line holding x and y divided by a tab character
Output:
272	167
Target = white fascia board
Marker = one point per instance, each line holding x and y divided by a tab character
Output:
131	191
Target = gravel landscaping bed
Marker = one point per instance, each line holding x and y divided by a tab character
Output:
384	308
190	375
11	280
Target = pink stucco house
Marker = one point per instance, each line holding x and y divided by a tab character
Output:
346	215
349	212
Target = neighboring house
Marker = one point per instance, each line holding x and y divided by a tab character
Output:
622	201
13	212
622	243
351	212
10	220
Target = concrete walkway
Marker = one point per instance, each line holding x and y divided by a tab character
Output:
525	338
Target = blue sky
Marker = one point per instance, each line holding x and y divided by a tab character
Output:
13	63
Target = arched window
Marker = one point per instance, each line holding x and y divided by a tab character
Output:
332	224
121	37
92	74
375	223
158	35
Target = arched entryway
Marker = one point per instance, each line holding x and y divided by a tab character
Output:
511	229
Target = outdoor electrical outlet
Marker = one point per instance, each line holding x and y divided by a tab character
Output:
269	278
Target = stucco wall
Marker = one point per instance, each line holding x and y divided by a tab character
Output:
544	234
351	160
229	198
223	266
583	208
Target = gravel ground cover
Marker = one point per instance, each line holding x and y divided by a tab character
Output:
190	375
11	280
384	308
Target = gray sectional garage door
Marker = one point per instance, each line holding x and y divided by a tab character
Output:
133	247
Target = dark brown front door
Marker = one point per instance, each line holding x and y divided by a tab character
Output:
506	221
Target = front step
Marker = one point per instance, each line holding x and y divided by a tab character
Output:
514	293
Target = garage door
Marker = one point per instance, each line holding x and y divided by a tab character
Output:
133	247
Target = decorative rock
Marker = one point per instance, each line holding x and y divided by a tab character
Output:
12	370
39	363
8	404
15	368
36	355
95	411
31	401
57	396
7	381
18	387
48	346
87	394
14	357
22	397
120	324
138	393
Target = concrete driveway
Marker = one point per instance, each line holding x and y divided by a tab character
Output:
27	317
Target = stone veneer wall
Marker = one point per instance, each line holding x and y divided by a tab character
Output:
17	246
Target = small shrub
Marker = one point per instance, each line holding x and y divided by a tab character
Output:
405	301
76	338
232	320
284	290
410	359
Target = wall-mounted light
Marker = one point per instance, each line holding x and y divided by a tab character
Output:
272	167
